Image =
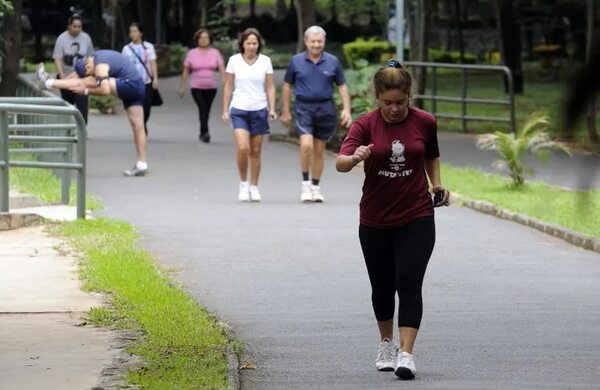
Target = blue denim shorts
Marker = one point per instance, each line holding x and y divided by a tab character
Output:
316	118
256	122
131	91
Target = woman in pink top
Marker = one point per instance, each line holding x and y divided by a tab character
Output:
202	63
398	144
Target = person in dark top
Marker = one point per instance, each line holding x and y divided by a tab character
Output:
399	148
108	72
311	76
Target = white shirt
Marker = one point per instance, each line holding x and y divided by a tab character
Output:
146	53
249	91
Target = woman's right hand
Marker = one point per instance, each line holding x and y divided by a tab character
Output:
225	117
362	153
181	92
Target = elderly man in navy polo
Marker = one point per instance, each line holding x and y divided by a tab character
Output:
311	74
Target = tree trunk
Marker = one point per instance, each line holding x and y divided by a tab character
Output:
203	12
420	45
147	17
449	25
510	37
189	19
459	27
252	9
591	111
11	41
280	10
306	18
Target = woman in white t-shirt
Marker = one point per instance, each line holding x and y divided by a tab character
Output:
142	54
249	103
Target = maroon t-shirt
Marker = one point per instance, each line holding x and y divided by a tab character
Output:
395	190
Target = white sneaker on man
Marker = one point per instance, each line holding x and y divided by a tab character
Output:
244	193
316	194
306	195
254	194
405	366
386	355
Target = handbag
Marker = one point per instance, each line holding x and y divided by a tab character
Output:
157	100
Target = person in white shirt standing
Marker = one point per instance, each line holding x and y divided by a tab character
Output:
249	103
142	54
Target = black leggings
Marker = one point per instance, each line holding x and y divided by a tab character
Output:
203	99
396	262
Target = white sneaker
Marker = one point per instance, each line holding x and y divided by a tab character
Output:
405	366
316	194
244	194
386	355
139	169
254	194
42	75
306	195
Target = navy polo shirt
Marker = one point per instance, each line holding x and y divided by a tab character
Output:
313	82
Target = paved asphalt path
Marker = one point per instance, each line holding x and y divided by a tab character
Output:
505	306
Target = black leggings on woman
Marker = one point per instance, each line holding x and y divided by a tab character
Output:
396	262
203	99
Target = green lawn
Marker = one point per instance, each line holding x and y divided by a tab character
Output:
540	94
183	346
578	211
42	184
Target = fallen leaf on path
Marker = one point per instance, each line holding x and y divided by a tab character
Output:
248	366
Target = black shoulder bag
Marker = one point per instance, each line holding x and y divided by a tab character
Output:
157	100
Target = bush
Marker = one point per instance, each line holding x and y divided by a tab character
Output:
371	50
280	60
177	53
226	46
104	104
451	57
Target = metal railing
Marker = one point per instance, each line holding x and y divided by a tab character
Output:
48	128
463	99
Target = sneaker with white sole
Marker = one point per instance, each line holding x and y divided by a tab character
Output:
405	366
306	193
254	194
244	192
316	194
42	75
386	355
135	171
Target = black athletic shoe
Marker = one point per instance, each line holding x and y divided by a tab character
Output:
205	137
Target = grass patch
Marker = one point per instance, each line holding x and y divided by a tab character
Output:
42	184
575	210
183	346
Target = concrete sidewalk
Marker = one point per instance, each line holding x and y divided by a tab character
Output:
44	343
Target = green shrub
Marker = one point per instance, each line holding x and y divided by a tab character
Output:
226	46
177	53
451	57
512	147
104	104
372	50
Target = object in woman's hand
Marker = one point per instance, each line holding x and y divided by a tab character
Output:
438	197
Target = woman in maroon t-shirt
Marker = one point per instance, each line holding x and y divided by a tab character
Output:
398	145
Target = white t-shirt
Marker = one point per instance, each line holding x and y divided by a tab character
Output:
146	53
249	91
